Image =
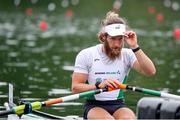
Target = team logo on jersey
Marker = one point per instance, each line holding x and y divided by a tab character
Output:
118	72
98	79
108	73
96	59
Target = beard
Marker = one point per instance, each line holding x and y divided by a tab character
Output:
112	53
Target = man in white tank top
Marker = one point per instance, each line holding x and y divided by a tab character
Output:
108	64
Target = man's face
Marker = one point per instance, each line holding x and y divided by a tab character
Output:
113	46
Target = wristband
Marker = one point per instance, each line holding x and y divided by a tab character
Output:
136	49
97	85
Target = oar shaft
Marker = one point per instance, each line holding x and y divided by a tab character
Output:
167	95
153	92
37	105
72	97
60	100
3	113
147	91
143	90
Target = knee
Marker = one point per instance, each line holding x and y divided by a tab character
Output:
124	114
100	117
128	117
97	113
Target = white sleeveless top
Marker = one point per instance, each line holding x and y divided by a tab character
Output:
96	64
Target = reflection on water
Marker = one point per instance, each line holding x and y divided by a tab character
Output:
69	103
59	91
3	83
68	68
40	64
20	64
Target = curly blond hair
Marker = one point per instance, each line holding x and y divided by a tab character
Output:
111	18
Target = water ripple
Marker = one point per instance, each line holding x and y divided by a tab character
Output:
68	68
20	64
44	69
12	42
59	91
40	49
3	83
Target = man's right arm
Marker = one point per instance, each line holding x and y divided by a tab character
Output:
79	83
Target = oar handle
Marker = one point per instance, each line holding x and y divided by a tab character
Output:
120	86
3	113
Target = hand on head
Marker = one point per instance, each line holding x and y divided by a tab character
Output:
131	39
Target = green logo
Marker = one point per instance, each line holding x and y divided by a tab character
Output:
98	79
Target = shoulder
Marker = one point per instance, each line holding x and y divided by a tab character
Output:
127	51
89	51
86	54
84	59
128	56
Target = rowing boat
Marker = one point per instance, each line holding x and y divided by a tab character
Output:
35	114
166	107
38	115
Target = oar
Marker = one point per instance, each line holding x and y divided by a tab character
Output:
19	110
147	91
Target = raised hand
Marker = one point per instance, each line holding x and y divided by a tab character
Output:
131	39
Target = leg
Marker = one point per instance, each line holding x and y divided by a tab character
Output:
98	113
124	113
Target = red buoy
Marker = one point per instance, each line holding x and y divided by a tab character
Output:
159	17
176	33
29	11
43	25
151	10
69	13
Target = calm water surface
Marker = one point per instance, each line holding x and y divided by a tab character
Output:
40	64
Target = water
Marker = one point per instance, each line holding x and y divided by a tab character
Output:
40	64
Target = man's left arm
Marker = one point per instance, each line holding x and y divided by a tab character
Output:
143	64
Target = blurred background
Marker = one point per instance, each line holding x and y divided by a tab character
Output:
39	40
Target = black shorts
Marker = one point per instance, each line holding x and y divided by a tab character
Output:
110	106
